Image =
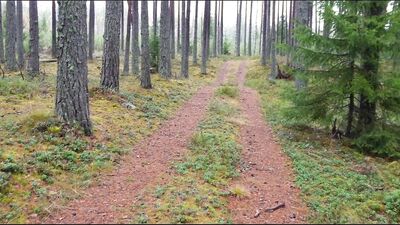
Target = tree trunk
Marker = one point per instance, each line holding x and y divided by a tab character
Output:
11	61
367	115
264	35
261	43
222	28
290	39
300	18
33	64
135	38
245	31
172	22
250	26
185	41
268	29
91	29
128	39
53	29
178	31
122	27
238	28
1	36
155	18
20	37
165	41
215	30
195	35
282	29
182	30
72	96
274	73
204	45
145	80
110	66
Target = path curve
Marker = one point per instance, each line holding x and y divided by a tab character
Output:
267	173
108	201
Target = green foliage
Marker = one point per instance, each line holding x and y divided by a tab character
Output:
339	184
154	51
227	47
382	142
228	90
16	86
44	32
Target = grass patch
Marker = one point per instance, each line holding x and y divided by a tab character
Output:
228	90
339	184
43	161
197	193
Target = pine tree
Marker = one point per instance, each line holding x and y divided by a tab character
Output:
72	95
165	41
135	38
250	26
33	64
128	39
205	37
238	27
264	35
110	64
145	80
185	40
20	36
215	30
91	29
274	72
54	28
1	36
11	61
155	18
195	34
172	23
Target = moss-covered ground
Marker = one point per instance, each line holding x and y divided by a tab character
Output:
45	163
338	183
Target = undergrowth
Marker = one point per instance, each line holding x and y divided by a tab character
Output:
338	183
45	163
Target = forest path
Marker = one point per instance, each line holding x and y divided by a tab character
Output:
108	201
266	171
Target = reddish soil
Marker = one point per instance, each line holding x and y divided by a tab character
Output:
266	172
109	201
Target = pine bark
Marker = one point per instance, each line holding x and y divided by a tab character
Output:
264	35
20	37
205	35
178	31
155	18
72	96
182	31
145	80
215	30
195	34
238	28
122	27
185	40
128	39
250	26
11	61
110	64
268	29
2	60
33	64
165	41
245	31
222	28
172	23
91	29
54	29
135	38
273	46
300	18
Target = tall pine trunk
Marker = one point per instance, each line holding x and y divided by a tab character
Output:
195	34
250	26
122	26
135	38
185	41
183	12
273	46
155	18
20	36
145	80
11	61
165	41
172	23
245	31
300	18
205	35
222	28
1	36
215	30
238	28
178	31
53	29
110	67
91	29
264	35
72	96
33	64
128	39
